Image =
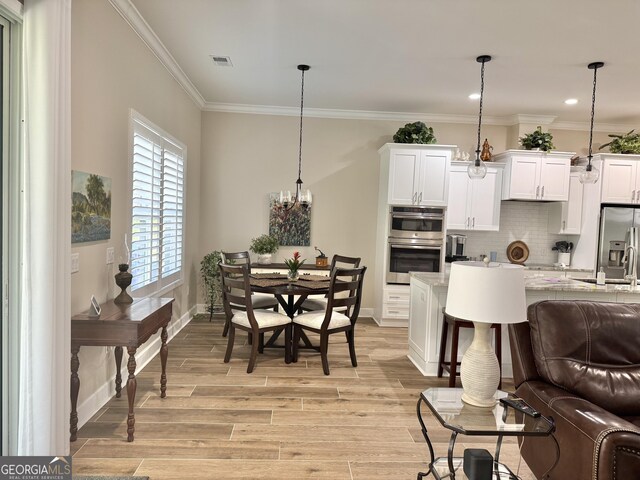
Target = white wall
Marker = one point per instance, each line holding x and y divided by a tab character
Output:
247	156
113	71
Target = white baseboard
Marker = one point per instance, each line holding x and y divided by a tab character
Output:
103	394
391	322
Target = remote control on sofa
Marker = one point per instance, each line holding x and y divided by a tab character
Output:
520	405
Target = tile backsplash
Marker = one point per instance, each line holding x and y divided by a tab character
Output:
526	221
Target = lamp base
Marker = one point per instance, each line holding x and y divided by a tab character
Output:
479	369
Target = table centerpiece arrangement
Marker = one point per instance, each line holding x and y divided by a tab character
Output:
293	264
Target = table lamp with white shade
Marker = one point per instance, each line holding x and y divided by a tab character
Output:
484	293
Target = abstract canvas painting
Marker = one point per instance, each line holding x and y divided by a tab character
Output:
90	207
291	227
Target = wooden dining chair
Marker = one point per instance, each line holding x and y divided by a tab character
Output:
345	294
320	303
258	300
236	290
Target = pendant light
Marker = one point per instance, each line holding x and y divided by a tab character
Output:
477	170
302	197
591	174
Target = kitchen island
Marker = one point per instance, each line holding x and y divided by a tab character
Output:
428	297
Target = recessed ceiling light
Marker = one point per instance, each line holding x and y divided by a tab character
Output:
474	96
221	61
571	101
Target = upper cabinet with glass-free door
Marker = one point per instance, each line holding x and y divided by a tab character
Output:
417	174
474	204
620	179
535	176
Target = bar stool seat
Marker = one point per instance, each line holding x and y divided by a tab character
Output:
451	366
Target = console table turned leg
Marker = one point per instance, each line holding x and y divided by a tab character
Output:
164	351
131	392
75	388
118	355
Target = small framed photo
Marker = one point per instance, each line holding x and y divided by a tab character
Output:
95	309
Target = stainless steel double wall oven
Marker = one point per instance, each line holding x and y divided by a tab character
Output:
415	243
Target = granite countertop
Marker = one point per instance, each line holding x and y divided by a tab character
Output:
537	283
558	268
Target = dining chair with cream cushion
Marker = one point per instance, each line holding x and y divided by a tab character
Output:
341	314
236	290
258	300
320	303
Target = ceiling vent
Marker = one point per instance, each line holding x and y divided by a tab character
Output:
221	61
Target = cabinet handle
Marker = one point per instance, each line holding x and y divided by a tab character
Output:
537	191
468	224
542	194
393	297
564	225
420	199
474	223
413	199
393	311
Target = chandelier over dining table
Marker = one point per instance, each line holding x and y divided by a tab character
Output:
301	196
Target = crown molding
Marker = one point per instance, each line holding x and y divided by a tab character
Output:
12	9
132	16
598	127
353	114
548	120
519	118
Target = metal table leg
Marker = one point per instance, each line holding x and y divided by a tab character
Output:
426	437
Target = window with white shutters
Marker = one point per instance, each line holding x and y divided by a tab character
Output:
157	208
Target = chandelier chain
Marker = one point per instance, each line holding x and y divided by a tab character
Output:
300	146
593	109
480	113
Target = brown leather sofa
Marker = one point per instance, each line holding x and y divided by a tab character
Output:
579	362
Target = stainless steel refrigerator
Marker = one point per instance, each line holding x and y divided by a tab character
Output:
618	243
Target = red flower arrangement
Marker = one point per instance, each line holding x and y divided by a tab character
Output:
294	263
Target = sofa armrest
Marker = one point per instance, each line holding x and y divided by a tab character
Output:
524	366
594	443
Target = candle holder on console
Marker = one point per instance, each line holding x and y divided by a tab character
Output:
123	280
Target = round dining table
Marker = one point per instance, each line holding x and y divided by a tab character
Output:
280	287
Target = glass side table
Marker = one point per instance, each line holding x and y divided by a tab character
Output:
453	414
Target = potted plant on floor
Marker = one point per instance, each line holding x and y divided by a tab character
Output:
264	246
211	281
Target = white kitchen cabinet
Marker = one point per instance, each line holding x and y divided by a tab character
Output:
474	204
395	303
419	314
620	179
566	217
418	174
536	176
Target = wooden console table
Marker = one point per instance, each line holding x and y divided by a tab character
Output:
120	326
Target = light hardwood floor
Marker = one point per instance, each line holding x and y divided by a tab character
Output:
280	422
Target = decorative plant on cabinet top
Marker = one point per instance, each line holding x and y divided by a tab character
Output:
537	140
416	132
629	143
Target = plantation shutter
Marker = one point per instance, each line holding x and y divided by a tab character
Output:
157	209
172	190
